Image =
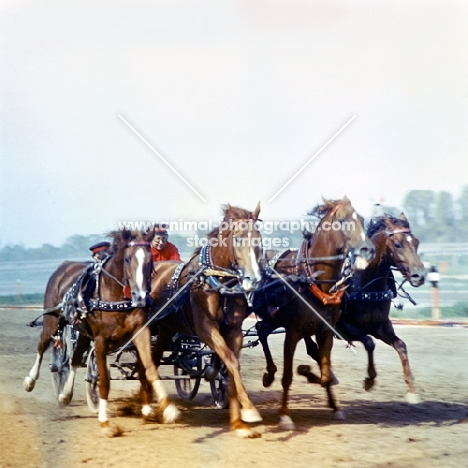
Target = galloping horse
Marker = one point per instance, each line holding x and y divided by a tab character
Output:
318	272
213	308
110	321
367	303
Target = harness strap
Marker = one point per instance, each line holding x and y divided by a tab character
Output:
371	296
121	306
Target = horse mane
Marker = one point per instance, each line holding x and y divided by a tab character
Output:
380	223
321	210
229	213
120	238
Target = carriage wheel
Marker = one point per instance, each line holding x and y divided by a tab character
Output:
92	381
187	388
61	361
219	386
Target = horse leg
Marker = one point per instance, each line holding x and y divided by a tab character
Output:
239	410
353	333
289	347
388	336
49	327
161	344
264	329
100	349
82	345
369	345
240	406
325	345
146	391
169	411
306	370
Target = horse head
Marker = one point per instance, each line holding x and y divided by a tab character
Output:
240	246
401	246
342	226
132	248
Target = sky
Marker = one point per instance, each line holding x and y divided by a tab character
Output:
237	96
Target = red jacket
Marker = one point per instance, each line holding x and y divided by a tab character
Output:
169	252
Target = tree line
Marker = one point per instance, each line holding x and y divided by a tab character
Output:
437	216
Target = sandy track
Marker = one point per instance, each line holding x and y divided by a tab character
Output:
380	429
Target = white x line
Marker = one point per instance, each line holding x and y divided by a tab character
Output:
162	159
312	158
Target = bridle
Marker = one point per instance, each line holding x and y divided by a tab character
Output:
399	265
125	283
206	252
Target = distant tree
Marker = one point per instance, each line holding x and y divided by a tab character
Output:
461	216
443	225
463	204
419	207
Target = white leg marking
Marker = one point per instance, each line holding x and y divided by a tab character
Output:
30	380
250	415
413	398
159	390
287	423
67	393
102	413
146	410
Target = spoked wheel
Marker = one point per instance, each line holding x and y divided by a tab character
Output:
188	375
92	381
61	360
219	386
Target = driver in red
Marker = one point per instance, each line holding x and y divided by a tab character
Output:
161	248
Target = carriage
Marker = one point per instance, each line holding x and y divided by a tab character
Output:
190	360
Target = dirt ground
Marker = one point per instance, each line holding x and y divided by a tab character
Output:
380	430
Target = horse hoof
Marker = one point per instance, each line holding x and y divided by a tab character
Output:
286	423
110	430
334	380
412	398
250	415
65	399
28	384
149	416
306	372
339	415
171	414
268	379
248	433
368	384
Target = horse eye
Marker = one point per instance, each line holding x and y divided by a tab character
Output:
397	245
127	260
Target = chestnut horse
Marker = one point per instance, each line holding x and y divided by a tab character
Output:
218	282
367	303
318	273
110	321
